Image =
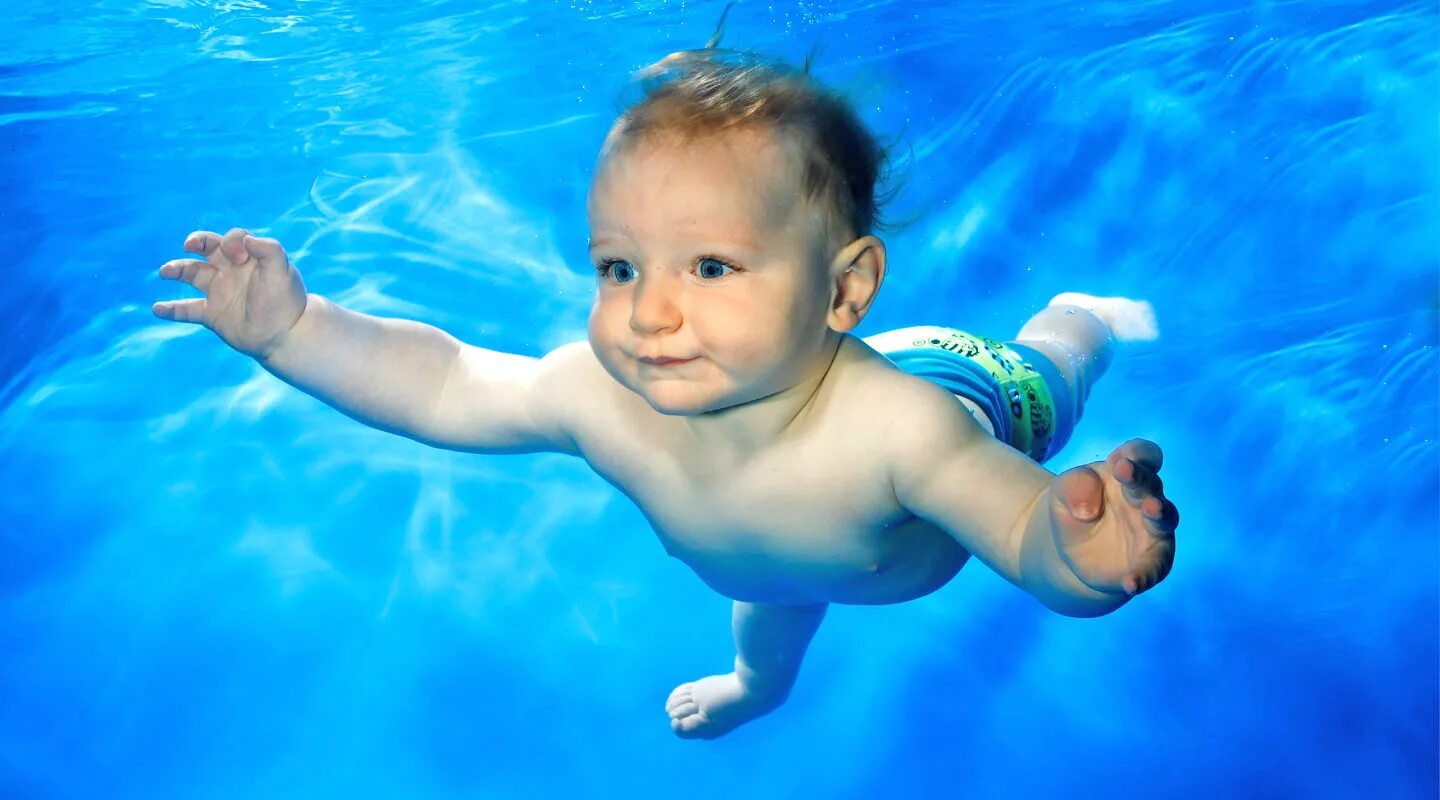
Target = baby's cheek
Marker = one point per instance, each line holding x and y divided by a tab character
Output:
605	321
607	351
771	363
738	353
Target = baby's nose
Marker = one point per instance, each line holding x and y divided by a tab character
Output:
655	307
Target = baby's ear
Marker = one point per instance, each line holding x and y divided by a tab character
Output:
856	274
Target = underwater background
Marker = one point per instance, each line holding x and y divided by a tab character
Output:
213	586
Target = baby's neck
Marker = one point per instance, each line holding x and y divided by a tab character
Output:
739	432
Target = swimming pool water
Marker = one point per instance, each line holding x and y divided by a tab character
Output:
213	586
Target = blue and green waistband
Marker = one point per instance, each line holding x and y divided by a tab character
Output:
1011	383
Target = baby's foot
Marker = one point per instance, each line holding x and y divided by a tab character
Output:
1129	320
712	707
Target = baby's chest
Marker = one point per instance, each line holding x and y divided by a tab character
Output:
795	510
805	524
799	541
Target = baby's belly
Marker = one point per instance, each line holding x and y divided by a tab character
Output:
904	561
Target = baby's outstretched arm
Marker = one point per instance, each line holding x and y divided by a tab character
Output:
1082	543
401	376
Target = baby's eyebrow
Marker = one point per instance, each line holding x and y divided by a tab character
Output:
742	246
600	242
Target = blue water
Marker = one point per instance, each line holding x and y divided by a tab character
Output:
212	586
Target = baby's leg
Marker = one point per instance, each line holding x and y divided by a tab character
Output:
770	642
1077	334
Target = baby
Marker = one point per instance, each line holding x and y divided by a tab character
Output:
787	462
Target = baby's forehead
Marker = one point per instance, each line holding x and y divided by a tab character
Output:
753	173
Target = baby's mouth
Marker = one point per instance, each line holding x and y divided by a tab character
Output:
664	361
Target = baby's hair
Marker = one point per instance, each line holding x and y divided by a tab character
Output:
700	93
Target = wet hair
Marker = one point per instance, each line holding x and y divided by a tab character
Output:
695	94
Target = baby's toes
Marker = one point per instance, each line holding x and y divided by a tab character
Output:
692	726
685	716
682	707
683	694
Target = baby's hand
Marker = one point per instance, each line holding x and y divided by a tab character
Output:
1113	526
253	296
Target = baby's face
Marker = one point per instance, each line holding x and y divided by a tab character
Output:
713	285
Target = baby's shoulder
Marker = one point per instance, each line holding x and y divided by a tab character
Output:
868	382
573	376
598	412
893	407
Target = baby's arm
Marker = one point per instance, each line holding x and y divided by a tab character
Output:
420	382
1026	523
401	376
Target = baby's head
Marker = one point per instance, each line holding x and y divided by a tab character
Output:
731	223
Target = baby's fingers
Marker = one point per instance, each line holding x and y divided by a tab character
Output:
202	243
269	254
180	310
1137	481
233	246
191	271
1153	566
1161	516
1141	451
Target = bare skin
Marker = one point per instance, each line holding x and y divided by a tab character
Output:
786	462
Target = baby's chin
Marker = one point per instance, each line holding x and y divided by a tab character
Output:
674	403
687	399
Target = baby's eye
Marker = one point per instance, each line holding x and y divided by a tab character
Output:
713	268
617	270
